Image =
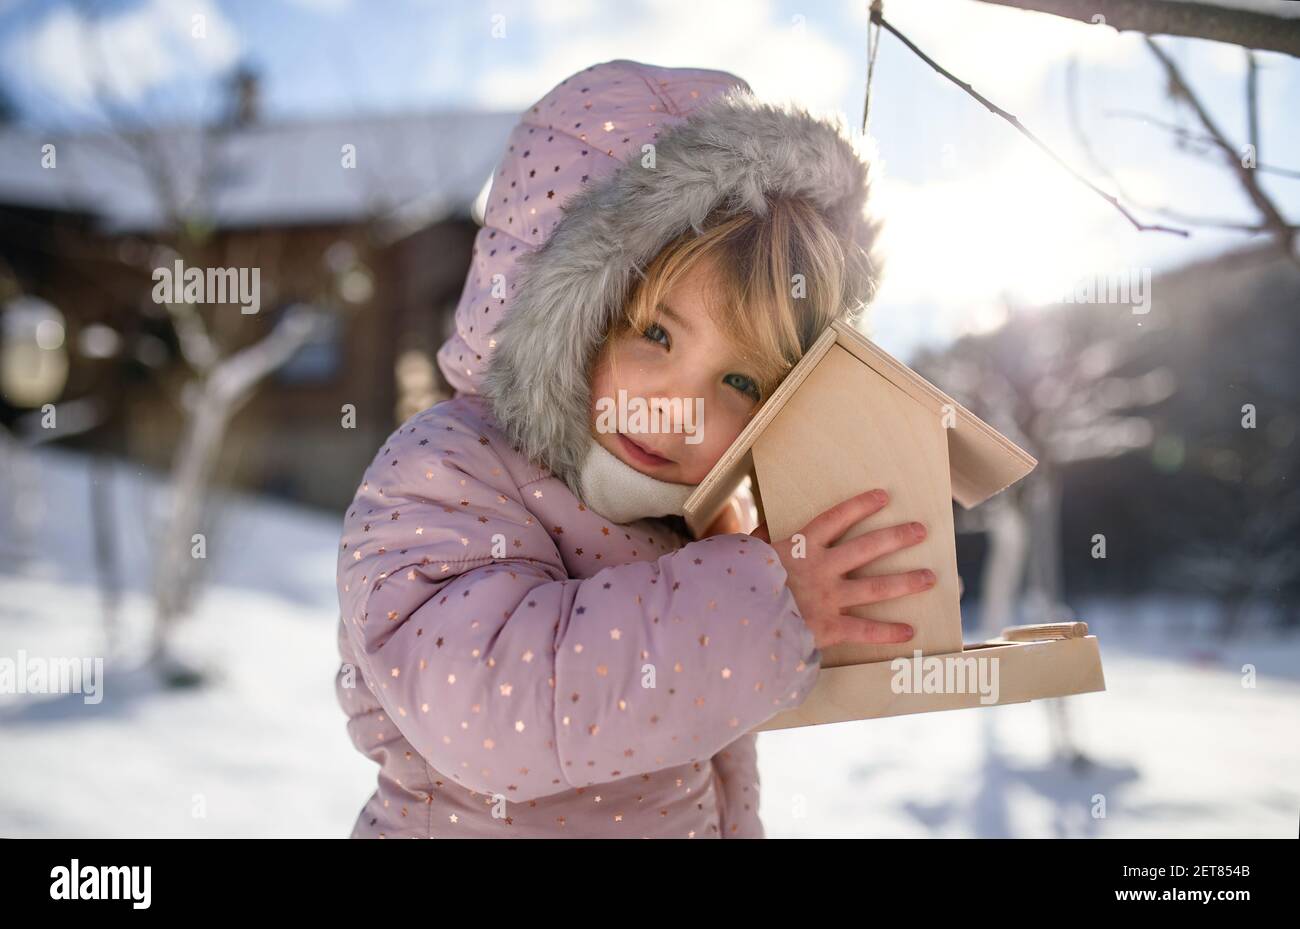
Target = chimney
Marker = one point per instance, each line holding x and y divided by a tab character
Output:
243	97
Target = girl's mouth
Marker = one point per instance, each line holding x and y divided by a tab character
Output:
640	454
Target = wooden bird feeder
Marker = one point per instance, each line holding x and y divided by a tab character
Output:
848	418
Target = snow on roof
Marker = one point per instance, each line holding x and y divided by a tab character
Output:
417	166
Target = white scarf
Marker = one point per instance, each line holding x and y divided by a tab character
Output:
621	493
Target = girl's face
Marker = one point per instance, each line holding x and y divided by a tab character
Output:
685	372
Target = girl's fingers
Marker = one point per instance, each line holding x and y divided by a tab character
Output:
859	591
863	549
870	631
826	527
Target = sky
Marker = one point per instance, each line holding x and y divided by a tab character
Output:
978	219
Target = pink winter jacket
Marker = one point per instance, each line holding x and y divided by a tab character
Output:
515	663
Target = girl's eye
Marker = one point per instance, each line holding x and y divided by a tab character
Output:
743	384
656	333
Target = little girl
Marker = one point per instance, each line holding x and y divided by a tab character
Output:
532	643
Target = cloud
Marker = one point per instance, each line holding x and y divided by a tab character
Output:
1022	229
782	58
323	6
127	53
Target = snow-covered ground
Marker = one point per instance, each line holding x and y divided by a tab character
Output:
1177	745
262	751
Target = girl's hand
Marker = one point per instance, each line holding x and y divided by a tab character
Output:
817	579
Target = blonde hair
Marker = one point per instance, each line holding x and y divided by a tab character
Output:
754	295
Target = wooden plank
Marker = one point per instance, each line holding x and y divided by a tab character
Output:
1025	671
982	460
848	431
711	494
1037	631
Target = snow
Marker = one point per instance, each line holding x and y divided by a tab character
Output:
1178	749
261	752
1178	746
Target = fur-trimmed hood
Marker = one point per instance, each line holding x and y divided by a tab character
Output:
598	176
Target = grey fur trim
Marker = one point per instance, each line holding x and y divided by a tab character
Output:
732	152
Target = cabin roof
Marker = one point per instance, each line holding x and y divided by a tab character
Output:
417	168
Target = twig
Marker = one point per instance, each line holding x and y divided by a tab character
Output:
877	17
1188	136
873	44
1272	218
1252	103
1076	124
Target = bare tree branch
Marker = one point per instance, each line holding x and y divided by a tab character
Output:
1272	218
1075	121
143	150
878	17
1246	28
1186	135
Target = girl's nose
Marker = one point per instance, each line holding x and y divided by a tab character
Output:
677	412
666	416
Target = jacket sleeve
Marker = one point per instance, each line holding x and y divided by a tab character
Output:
512	678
